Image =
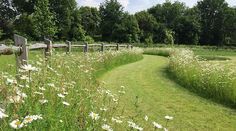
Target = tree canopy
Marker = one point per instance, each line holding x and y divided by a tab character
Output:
210	22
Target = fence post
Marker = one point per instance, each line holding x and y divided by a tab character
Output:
102	47
117	46
22	57
68	46
48	50
86	47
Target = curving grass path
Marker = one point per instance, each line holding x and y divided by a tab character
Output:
159	96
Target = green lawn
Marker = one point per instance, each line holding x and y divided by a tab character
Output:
159	96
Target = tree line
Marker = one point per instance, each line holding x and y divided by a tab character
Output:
209	22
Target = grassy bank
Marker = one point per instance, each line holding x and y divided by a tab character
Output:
213	80
61	93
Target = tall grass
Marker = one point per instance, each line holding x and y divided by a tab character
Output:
213	80
158	51
61	93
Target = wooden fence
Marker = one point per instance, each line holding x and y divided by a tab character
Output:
21	48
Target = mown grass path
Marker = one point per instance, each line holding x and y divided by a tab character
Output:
160	96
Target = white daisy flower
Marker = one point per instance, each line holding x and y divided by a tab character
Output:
2	114
156	125
51	85
24	77
29	68
43	101
61	95
66	103
31	118
134	126
94	116
38	93
146	118
16	124
15	99
11	81
103	109
169	117
42	88
106	127
116	120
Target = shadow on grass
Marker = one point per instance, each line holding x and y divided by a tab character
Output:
168	75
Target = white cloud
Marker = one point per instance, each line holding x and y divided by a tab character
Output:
124	3
137	5
96	3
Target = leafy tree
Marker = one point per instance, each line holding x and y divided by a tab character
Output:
76	32
1	33
146	24
111	14
230	25
127	30
167	12
24	6
43	20
187	28
169	37
149	41
90	20
24	26
149	27
63	11
7	15
212	19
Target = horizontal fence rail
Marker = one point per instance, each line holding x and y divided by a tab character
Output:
21	48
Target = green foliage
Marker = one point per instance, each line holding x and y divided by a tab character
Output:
127	30
63	11
111	13
209	22
168	12
43	20
77	33
7	15
148	41
90	20
169	37
230	25
89	39
24	6
1	33
147	24
24	26
187	28
212	19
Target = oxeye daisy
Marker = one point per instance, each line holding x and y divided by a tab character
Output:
61	95
2	114
169	117
156	125
94	116
66	103
16	124
106	127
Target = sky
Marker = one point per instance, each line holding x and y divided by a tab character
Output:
133	6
